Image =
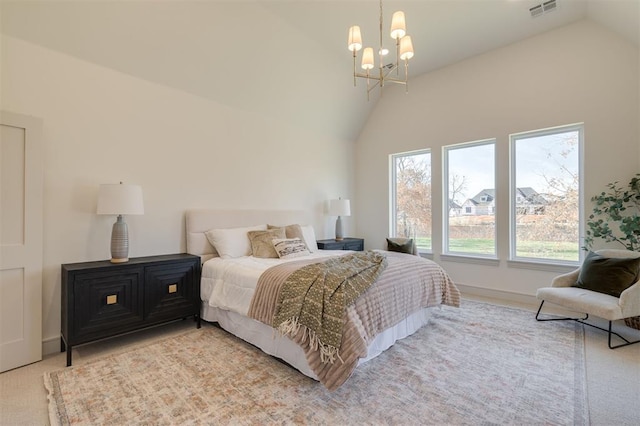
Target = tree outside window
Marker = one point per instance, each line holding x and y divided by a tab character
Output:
411	197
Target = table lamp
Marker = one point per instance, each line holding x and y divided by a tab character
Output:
339	208
120	199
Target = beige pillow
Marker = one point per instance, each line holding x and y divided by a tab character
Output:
298	231
261	242
291	231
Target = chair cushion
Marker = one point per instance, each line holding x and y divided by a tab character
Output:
608	275
584	301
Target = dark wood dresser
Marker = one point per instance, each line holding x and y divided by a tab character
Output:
103	299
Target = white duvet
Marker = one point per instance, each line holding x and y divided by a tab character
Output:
229	284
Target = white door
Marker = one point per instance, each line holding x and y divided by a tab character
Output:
21	174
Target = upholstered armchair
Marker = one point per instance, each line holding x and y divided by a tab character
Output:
612	291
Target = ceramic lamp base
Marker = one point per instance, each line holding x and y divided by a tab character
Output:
119	241
339	236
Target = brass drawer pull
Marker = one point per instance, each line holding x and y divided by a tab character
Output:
173	288
112	299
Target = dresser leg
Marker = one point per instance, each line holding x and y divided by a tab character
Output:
69	356
63	346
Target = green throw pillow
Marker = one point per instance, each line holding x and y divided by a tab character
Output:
402	245
608	275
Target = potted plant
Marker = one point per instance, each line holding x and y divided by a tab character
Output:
616	218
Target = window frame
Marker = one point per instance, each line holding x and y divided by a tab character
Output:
445	200
513	138
393	192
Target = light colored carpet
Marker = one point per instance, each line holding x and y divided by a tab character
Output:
481	364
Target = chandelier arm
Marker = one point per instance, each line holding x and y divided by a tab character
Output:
397	56
406	76
394	80
373	86
354	68
389	71
381	63
377	79
380	50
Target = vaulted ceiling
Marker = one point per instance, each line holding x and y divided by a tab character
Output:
286	60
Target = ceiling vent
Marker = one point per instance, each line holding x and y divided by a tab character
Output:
542	8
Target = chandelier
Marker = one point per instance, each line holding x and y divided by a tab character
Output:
404	52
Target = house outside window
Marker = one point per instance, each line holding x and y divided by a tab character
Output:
469	180
546	183
410	214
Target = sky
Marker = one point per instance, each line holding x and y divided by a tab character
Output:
536	158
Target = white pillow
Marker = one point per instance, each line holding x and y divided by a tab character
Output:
309	236
288	248
232	242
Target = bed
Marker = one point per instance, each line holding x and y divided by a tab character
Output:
229	282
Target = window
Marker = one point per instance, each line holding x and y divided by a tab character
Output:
411	197
470	190
545	194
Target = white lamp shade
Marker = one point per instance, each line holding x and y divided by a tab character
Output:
398	25
340	208
355	39
367	58
406	48
120	199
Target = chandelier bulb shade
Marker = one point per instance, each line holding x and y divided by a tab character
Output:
355	39
406	48
387	66
398	25
367	58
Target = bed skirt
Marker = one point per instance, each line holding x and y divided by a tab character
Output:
266	338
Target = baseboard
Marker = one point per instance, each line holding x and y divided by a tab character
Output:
508	297
51	345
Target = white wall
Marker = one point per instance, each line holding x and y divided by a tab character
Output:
102	126
579	73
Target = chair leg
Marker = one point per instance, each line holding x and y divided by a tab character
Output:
582	321
627	342
586	316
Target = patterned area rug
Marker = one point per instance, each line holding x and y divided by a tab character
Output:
479	364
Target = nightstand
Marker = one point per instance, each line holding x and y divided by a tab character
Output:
356	244
103	299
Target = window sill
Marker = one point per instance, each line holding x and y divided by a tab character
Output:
426	254
470	259
542	266
519	264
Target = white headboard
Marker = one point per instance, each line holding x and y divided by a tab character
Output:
200	221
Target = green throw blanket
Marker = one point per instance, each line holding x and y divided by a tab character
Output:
316	297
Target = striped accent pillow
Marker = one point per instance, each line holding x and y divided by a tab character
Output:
288	248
